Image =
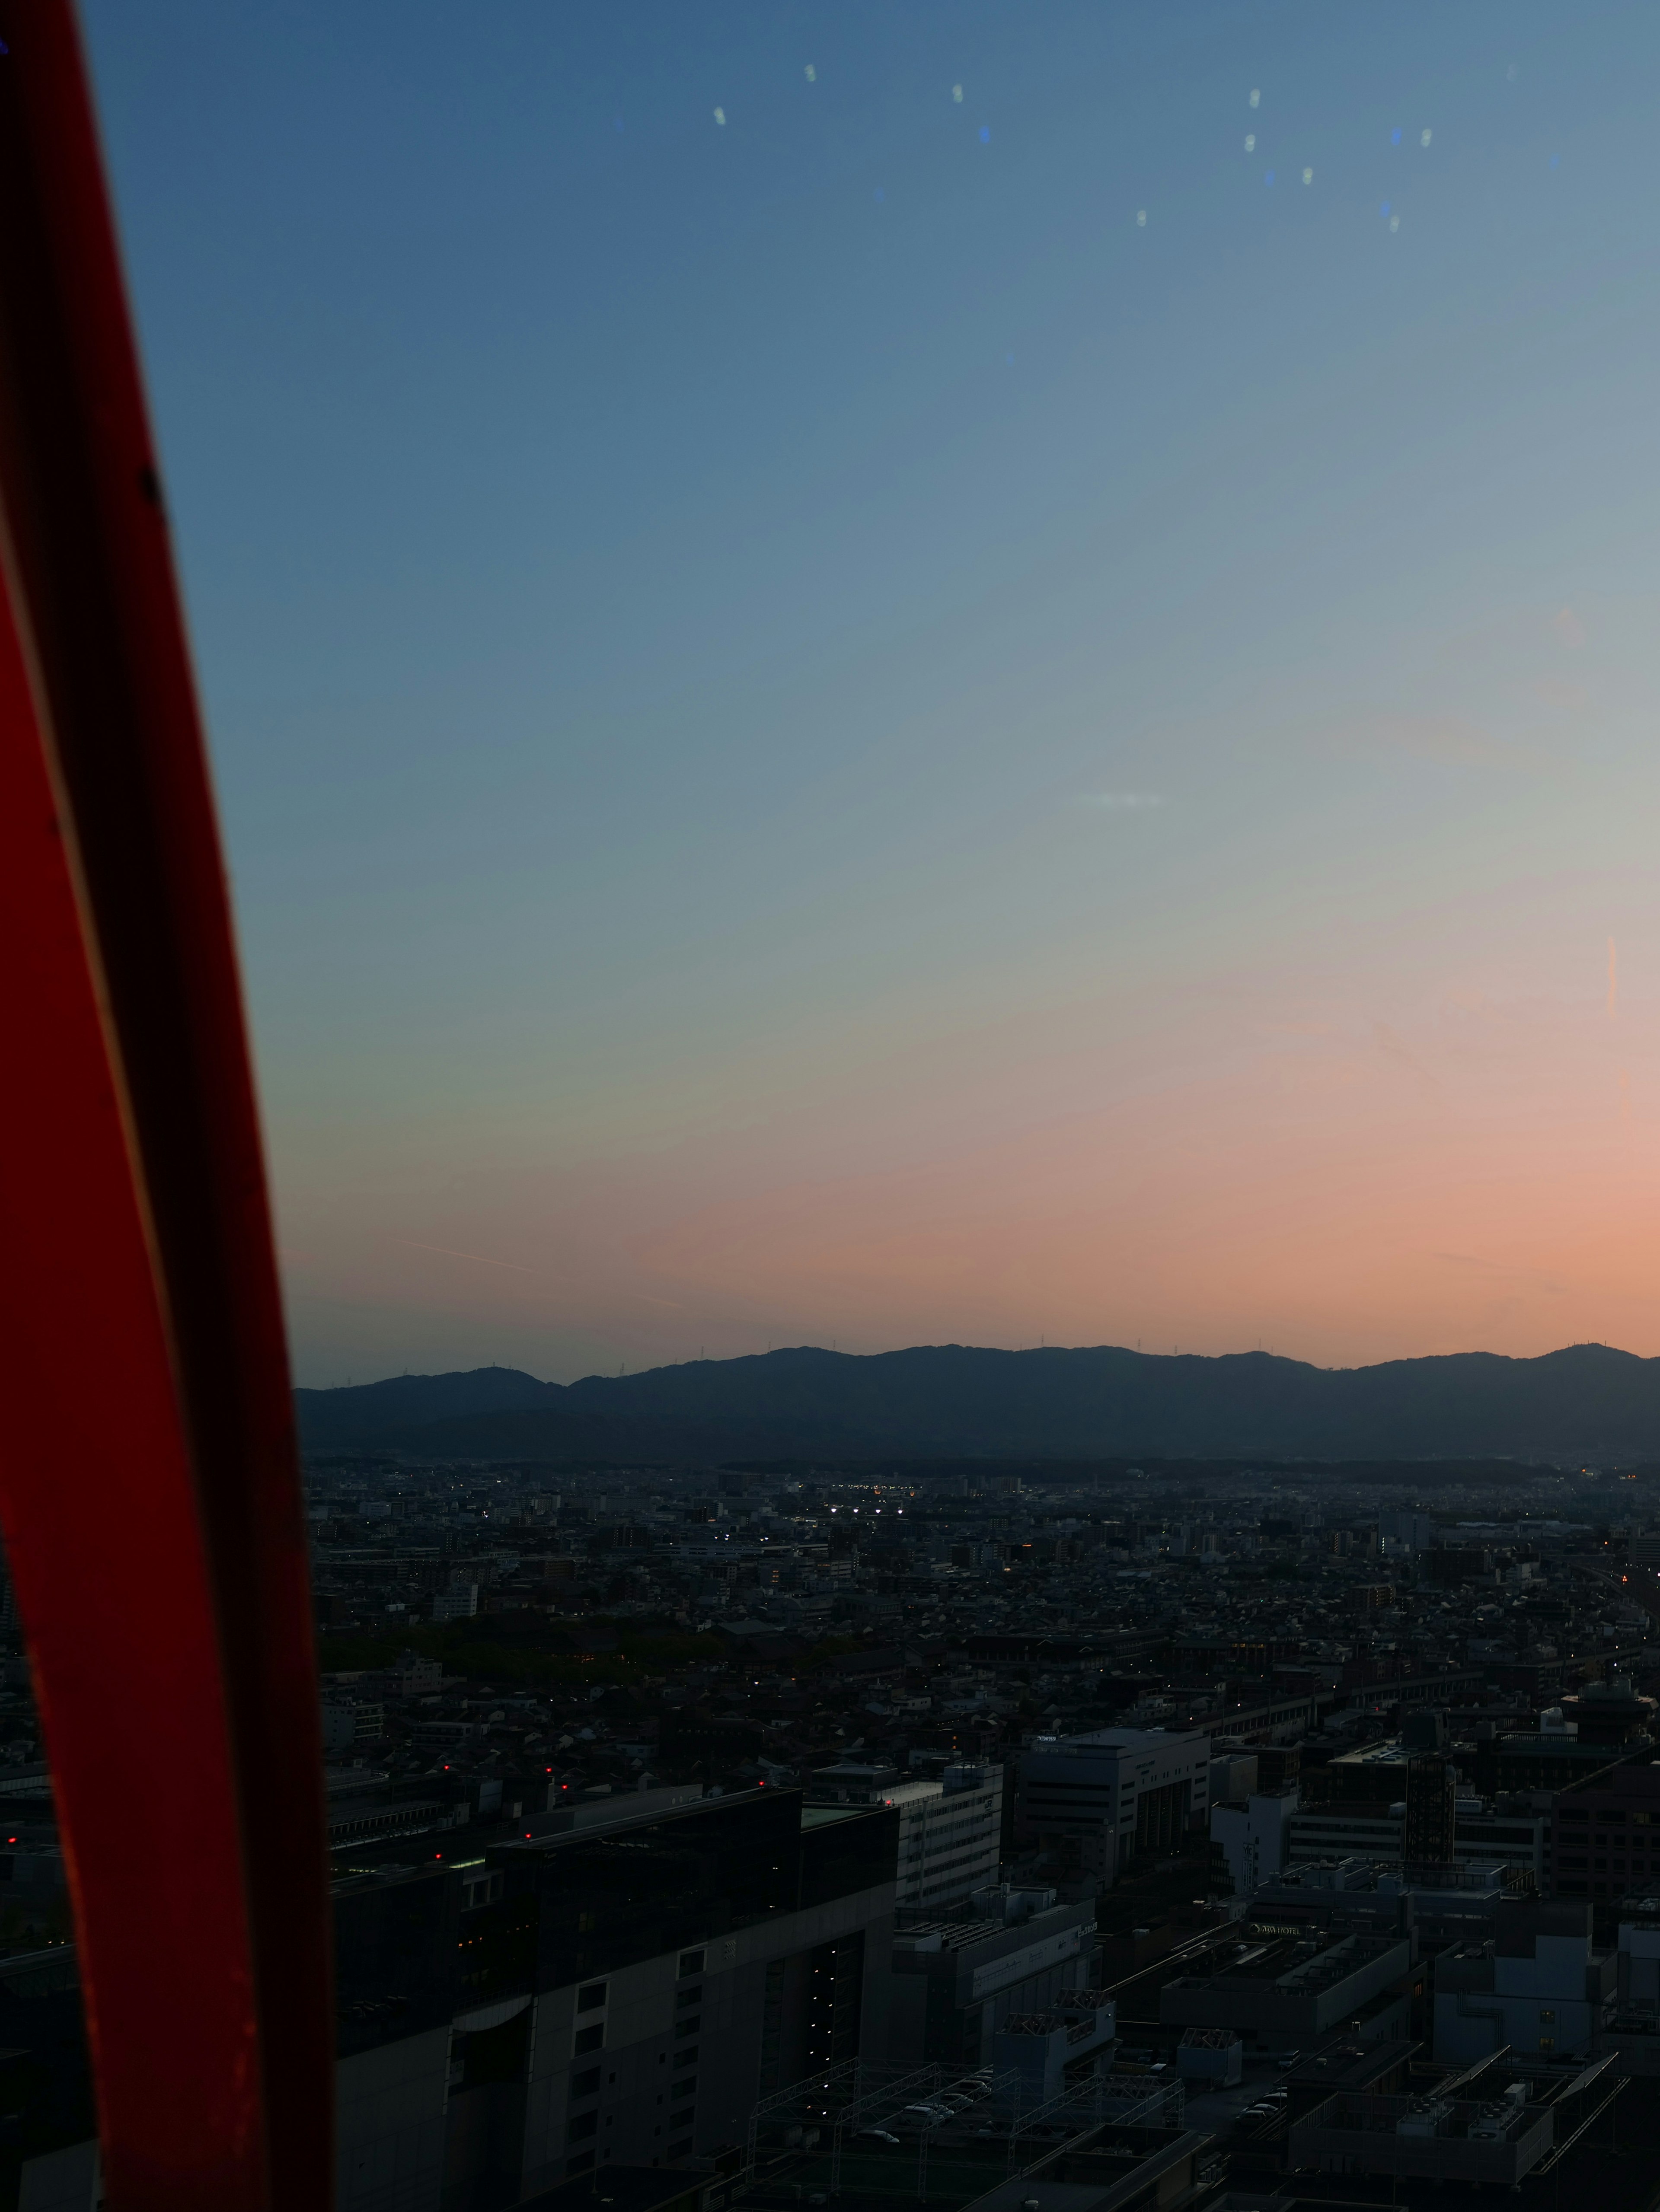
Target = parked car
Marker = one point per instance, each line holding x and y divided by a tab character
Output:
876	2134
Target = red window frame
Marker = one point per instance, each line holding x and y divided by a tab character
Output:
149	1481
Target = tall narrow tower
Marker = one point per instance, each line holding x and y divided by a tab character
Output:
1431	1810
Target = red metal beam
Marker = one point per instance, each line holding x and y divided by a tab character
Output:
148	1485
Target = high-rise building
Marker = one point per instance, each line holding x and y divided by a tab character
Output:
1125	1794
1429	1835
621	1991
950	1830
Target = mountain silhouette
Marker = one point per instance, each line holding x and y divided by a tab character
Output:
1588	1402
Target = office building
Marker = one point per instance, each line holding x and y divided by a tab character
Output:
1123	1794
950	1830
956	1981
1606	1833
351	1720
1254	1837
1483	1834
1306	1983
1430	1814
1535	1985
617	1992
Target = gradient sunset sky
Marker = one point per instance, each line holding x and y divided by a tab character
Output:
848	715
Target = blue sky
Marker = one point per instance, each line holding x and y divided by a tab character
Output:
822	733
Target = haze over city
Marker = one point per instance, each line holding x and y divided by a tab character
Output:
877	681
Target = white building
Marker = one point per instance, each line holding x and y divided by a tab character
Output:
1255	1834
1126	1793
1537	1988
346	1722
1233	1774
950	1830
1482	1837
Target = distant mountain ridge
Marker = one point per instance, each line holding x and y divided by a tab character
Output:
944	1400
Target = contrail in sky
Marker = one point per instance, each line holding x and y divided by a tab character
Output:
450	1253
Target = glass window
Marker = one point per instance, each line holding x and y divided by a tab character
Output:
591	1998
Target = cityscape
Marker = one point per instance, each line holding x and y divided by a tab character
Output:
832	969
959	1834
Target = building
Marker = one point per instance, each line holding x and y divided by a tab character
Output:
1490	2127
351	1720
1294	1988
950	1830
1494	2142
1431	1808
1123	1794
1550	1757
1606	1833
1613	1713
1254	1837
1516	1834
1215	2055
619	1992
1453	1905
1233	1774
1638	1961
1049	2051
1483	1834
956	1981
1536	1986
1413	1532
1373	1830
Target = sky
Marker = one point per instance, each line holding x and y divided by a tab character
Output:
957	673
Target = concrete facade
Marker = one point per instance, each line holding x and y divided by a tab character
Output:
1125	1794
950	1830
1537	1986
1292	1990
1255	1836
956	1982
